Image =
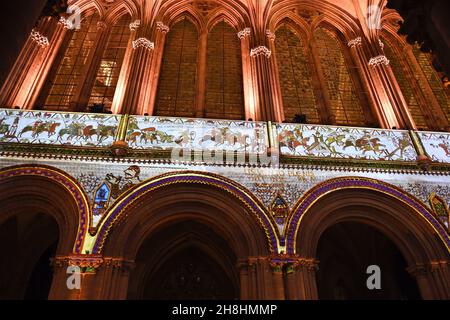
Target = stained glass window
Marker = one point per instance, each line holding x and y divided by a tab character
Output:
66	79
405	86
441	93
345	104
108	73
224	84
295	76
178	79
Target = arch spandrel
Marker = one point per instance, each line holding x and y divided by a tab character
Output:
229	190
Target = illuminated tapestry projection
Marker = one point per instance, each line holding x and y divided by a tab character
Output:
40	127
223	149
342	142
196	134
437	145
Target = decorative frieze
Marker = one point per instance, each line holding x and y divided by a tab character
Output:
135	25
37	37
162	27
378	60
355	42
143	43
244	33
261	50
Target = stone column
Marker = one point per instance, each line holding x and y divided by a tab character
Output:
201	74
161	34
125	70
373	112
28	75
392	108
433	279
323	95
101	278
139	74
90	70
261	279
249	94
261	74
301	279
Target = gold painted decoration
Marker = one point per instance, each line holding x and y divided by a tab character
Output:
440	209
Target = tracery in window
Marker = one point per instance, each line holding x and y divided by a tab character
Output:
224	84
178	79
295	76
67	77
345	104
108	72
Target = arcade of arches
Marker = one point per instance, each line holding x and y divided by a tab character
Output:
190	240
208	236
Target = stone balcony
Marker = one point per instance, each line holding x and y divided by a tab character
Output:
217	141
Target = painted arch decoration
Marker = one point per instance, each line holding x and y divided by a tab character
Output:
313	195
189	177
67	182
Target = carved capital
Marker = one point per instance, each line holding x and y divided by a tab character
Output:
379	60
261	50
37	37
270	35
162	27
67	24
426	269
118	263
355	42
88	262
244	33
143	43
135	25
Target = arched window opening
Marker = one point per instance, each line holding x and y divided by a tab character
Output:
63	84
105	83
224	84
295	76
407	90
345	104
178	79
441	93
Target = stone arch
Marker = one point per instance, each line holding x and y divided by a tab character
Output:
396	215
90	7
180	12
242	219
115	13
58	192
413	216
335	16
222	15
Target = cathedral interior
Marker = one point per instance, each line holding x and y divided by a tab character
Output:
225	150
